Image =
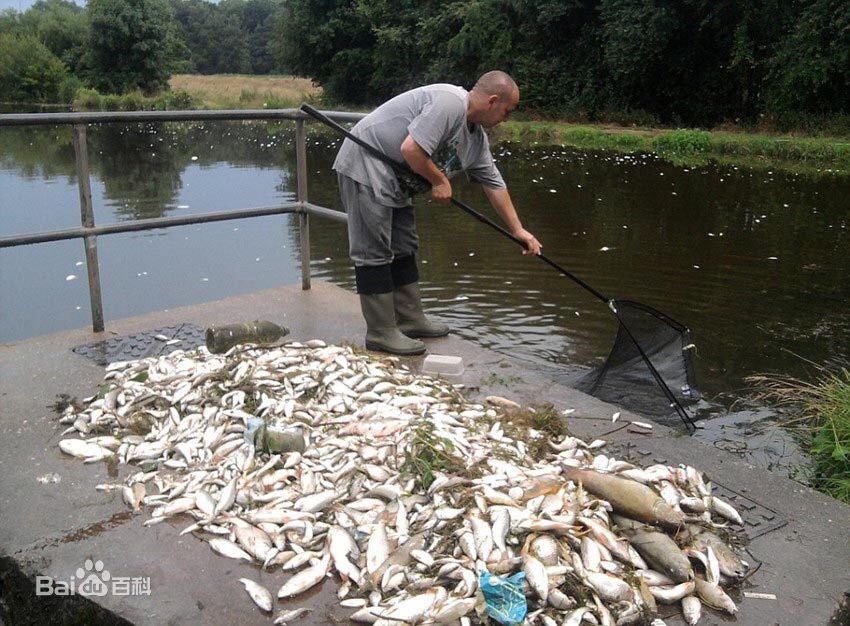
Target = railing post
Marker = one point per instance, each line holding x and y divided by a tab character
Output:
301	196
87	220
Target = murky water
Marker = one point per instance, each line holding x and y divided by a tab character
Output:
754	261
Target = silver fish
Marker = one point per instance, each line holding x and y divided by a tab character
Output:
261	596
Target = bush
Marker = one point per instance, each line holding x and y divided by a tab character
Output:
133	101
92	100
68	89
87	99
177	100
29	72
683	141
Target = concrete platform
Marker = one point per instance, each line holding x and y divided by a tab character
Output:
51	528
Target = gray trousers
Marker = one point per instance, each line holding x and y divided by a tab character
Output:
376	233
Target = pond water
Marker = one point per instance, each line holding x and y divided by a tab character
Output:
754	261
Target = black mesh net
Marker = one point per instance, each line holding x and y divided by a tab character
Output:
626	379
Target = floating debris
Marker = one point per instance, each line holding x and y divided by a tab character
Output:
406	491
49	478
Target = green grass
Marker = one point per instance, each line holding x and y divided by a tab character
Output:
92	100
803	154
689	146
240	91
820	413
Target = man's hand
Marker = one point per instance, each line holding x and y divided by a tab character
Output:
442	193
532	246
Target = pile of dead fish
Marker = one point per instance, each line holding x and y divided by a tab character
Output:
601	541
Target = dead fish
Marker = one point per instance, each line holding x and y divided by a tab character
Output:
730	563
305	579
255	541
535	573
412	609
451	611
227	548
378	548
661	553
134	495
691	609
503	402
630	498
82	449
227	497
341	545
285	617
715	597
726	510
610	588
399	556
261	596
671	595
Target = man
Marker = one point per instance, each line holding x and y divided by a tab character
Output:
436	124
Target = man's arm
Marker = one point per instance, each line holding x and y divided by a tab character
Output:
500	199
421	163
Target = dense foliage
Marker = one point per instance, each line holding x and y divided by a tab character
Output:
29	71
694	62
677	61
230	37
129	44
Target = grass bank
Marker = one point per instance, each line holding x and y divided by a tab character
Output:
819	412
687	145
238	91
805	154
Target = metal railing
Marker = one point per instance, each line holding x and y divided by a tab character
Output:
89	232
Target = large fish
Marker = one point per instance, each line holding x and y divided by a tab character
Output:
659	550
628	497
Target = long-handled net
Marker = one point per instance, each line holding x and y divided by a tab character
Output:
650	346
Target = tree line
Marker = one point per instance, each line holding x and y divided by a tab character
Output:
692	62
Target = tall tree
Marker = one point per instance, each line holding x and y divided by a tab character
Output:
62	26
810	71
329	41
131	44
29	72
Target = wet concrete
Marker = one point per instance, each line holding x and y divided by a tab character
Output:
52	528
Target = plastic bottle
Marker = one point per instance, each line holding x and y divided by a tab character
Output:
284	439
261	332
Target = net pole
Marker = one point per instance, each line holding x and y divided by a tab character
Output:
680	410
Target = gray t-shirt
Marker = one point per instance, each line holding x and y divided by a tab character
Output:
435	116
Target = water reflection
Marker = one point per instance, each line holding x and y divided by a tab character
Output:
753	261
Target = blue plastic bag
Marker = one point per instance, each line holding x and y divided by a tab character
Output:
504	597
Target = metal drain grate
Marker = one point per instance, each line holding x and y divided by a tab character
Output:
141	345
758	519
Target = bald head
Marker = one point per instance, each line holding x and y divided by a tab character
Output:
492	99
496	83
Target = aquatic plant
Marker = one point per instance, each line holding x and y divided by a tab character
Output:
819	412
427	453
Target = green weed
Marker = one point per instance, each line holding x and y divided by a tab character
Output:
683	141
427	453
819	412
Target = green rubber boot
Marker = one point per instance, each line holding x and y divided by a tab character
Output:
411	319
382	334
